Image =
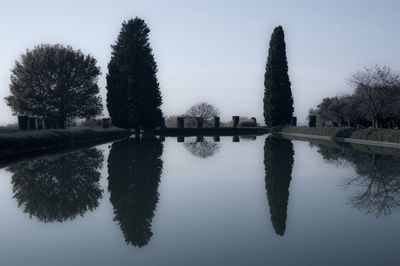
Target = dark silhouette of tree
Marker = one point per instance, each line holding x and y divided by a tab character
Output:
375	102
278	100
58	187
378	94
202	148
53	81
204	110
278	162
134	169
377	183
133	93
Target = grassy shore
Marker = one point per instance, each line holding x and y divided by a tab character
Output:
385	135
30	141
340	145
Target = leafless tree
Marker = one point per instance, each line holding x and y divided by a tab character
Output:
378	185
203	148
377	91
204	110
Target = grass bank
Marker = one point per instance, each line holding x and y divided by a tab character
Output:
382	135
340	145
30	141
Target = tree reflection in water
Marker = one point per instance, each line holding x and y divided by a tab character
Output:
58	187
201	147
278	162
134	169
377	183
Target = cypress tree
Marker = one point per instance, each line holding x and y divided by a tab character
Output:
133	93
278	100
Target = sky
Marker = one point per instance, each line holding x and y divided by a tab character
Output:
215	51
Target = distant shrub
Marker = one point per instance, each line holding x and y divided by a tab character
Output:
247	123
243	122
90	123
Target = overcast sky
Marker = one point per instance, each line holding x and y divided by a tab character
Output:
216	50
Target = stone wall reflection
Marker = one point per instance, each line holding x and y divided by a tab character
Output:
58	187
278	162
376	186
134	169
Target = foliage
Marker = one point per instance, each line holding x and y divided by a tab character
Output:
171	121
243	122
133	93
278	100
134	169
376	101
204	110
60	187
337	109
247	123
53	81
378	93
278	162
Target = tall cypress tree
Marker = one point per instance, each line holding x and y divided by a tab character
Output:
133	93
278	100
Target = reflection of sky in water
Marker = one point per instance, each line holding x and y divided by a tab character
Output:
216	210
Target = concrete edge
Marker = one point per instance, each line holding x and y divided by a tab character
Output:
348	140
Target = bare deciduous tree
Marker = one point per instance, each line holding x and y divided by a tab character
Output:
203	148
204	110
378	93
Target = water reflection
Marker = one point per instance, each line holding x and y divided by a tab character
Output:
278	162
377	183
134	169
58	187
202	147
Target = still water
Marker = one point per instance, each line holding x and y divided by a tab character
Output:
233	201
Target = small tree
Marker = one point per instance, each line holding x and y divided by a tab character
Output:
204	110
53	81
278	100
133	93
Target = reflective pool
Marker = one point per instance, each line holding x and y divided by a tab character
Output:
203	201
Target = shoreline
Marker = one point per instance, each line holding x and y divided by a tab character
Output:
339	139
211	131
22	144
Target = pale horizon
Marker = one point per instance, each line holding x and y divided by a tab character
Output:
215	52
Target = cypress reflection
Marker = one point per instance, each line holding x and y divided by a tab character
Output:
58	187
134	169
278	162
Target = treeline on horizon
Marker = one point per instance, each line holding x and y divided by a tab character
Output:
374	103
58	83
